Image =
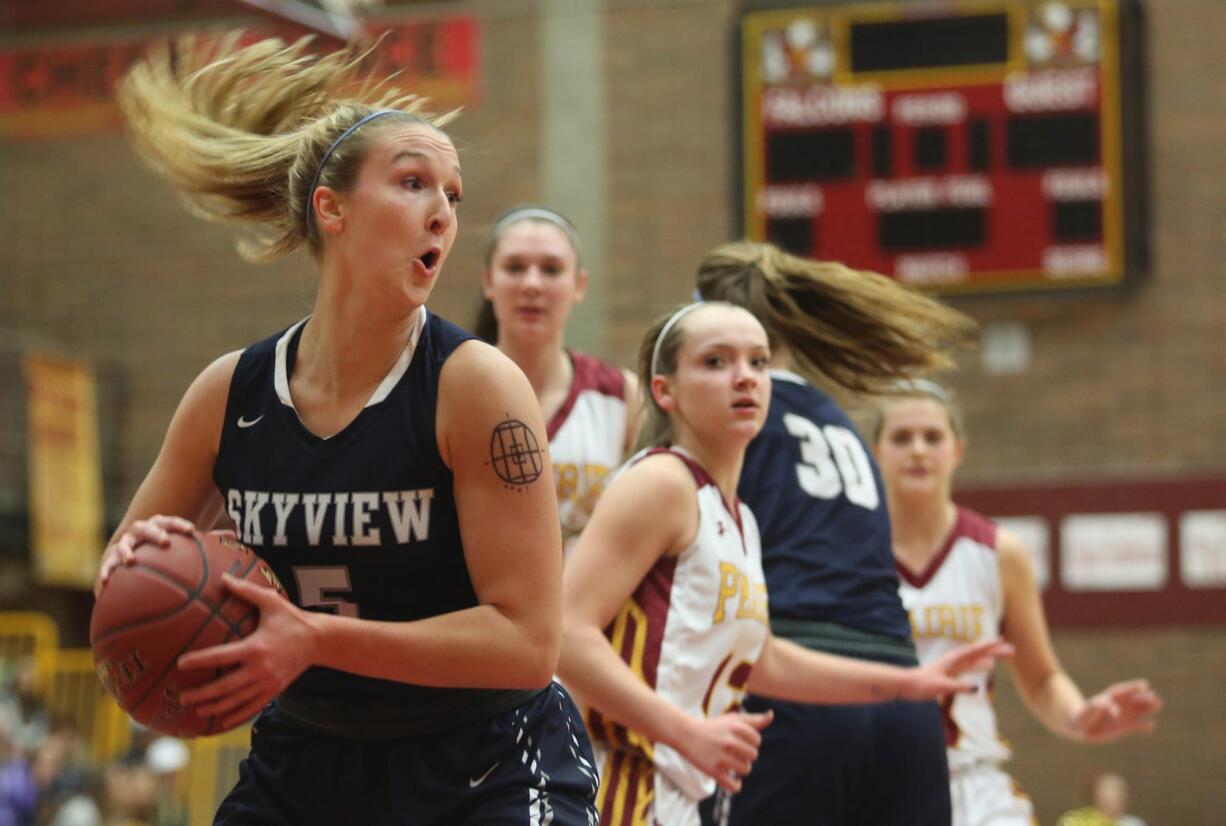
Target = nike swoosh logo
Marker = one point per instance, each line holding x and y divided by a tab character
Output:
474	782
244	423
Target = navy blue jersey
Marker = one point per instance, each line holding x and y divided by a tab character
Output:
820	505
362	523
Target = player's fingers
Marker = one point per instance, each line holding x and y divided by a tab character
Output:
747	733
728	779
758	720
955	686
735	764
1145	702
231	702
109	563
1128	687
980	656
227	684
215	656
177	524
743	749
147	530
257	595
1096	717
1149	704
246	712
125	549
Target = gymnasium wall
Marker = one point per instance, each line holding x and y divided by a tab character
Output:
98	260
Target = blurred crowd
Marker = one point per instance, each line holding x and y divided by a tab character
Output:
50	777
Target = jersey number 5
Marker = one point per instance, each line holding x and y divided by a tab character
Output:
833	461
320	586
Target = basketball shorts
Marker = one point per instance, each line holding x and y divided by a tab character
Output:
530	765
843	766
983	795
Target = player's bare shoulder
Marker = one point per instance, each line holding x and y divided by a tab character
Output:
487	405
657	493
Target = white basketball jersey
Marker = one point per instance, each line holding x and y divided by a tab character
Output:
958	600
692	630
586	438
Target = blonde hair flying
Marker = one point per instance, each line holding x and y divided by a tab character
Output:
243	130
860	330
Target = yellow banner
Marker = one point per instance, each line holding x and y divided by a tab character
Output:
65	473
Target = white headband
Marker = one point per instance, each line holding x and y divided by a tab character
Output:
925	388
535	213
668	325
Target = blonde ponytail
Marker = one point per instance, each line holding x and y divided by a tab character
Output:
860	330
242	130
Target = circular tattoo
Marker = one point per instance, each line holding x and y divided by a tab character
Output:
515	453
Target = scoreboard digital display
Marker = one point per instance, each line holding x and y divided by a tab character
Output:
968	146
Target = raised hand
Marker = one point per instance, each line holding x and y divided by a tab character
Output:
1120	709
726	746
940	677
258	667
156	529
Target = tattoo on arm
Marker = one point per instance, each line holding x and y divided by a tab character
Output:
515	453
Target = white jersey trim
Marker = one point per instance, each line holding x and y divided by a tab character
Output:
281	373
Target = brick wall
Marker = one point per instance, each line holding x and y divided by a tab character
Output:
1175	773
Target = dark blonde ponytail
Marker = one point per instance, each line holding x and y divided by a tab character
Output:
242	130
860	330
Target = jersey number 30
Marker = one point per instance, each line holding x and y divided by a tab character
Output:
833	461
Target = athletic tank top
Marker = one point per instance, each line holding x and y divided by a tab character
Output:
955	601
817	493
694	627
586	437
362	523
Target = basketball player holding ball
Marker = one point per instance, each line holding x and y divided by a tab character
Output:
391	469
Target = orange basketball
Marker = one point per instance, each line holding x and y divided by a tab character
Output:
171	601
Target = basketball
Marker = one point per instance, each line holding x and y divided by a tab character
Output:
169	602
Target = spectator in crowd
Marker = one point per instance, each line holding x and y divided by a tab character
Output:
1109	793
63	769
22	708
18	791
168	758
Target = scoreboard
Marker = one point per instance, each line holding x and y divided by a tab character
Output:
959	146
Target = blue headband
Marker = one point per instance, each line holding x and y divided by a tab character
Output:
328	156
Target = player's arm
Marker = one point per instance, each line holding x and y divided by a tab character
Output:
788	671
1050	694
178	491
512	548
648	512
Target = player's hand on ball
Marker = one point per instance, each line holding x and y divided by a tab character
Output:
155	530
258	667
725	747
1120	709
941	676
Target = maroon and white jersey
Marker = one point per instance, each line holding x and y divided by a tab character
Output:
586	438
691	630
957	600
